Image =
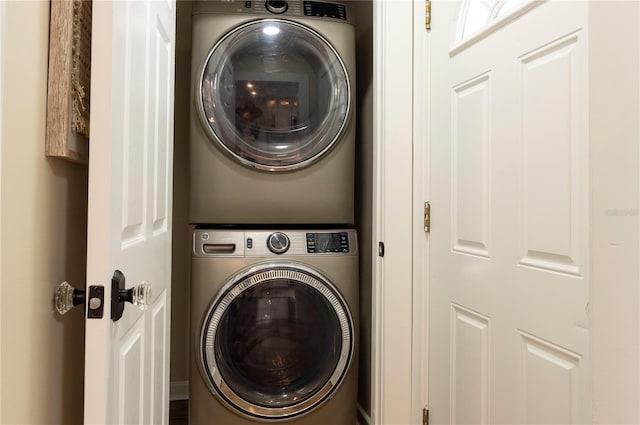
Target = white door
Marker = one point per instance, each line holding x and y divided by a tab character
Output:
129	224
509	243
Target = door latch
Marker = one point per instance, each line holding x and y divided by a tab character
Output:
95	308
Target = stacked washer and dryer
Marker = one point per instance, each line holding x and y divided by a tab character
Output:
274	305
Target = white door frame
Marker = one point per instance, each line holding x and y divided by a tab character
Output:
392	212
2	37
421	182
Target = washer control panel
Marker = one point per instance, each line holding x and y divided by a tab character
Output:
274	243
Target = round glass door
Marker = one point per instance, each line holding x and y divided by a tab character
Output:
274	94
277	342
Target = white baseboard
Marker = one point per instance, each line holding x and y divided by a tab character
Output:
179	390
363	417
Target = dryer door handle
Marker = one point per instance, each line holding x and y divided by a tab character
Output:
219	248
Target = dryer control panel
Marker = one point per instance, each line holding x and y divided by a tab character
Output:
326	10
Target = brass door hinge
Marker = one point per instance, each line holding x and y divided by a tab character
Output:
427	217
427	14
425	416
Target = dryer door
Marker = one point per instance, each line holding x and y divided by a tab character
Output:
277	342
274	94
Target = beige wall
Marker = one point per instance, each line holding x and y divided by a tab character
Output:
43	222
614	132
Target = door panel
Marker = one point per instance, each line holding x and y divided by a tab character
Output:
471	124
549	380
130	376
470	366
551	135
129	226
160	321
509	289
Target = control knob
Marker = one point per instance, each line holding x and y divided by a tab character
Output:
278	243
276	6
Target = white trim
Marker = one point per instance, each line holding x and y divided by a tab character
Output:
392	211
98	402
2	37
179	390
377	273
420	332
362	418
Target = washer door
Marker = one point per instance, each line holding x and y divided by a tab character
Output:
277	341
274	94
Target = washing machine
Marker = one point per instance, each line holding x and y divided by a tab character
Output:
272	127
274	327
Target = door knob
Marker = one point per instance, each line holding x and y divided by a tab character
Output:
139	295
67	297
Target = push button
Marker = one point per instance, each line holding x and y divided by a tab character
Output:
311	243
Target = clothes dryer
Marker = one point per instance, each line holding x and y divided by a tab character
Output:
274	327
272	122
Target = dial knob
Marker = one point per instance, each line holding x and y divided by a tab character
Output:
278	243
276	6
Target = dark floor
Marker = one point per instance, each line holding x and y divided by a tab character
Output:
179	412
